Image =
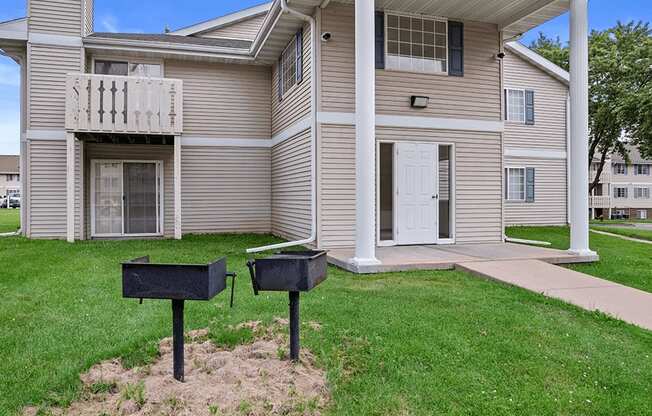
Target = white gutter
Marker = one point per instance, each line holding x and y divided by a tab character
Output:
313	136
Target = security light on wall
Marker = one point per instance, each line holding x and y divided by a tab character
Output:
418	101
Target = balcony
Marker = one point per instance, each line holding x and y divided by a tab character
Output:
128	105
599	201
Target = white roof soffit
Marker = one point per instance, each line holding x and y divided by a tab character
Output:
223	21
514	17
278	28
14	29
539	61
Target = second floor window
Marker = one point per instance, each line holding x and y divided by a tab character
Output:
620	192
642	193
516	105
133	69
642	170
416	44
620	169
290	65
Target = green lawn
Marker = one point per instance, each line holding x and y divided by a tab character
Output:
621	261
627	232
9	220
418	343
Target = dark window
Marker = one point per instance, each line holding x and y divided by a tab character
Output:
111	68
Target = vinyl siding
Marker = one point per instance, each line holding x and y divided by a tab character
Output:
291	205
133	152
225	101
47	69
296	102
478	182
89	16
245	30
225	189
550	202
550	98
548	133
474	96
47	188
61	17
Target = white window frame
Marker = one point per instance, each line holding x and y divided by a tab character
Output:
640	169
160	173
642	214
644	192
129	62
452	196
413	71
508	183
617	188
618	171
507	112
290	48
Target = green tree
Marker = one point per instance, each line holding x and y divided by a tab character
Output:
620	84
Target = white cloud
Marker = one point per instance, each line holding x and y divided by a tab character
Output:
109	23
10	136
9	73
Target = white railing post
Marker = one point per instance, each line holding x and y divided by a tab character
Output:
365	140
70	187
579	127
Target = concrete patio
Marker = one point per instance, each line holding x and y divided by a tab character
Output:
405	258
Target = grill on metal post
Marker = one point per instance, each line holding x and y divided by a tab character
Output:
178	283
292	272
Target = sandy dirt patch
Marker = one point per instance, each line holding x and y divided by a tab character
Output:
253	379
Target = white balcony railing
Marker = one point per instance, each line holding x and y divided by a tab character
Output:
131	105
599	201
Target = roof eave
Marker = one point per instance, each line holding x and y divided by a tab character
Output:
539	61
223	21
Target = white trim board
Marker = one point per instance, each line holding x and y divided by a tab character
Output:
56	40
384	120
45	135
223	21
224	142
536	153
539	61
298	127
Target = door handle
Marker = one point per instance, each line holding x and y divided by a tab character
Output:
435	197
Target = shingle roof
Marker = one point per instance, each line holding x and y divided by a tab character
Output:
9	164
634	156
183	40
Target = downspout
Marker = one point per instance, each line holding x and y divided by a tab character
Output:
313	135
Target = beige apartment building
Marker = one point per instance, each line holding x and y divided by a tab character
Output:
438	129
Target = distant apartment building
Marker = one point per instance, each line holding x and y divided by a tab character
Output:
9	175
624	188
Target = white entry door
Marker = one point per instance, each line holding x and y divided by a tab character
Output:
416	193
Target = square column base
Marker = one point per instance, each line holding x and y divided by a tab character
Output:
358	262
584	253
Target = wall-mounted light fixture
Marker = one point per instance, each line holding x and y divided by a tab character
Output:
418	101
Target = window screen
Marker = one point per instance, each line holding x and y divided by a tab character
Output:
416	44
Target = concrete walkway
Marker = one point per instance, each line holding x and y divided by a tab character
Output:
588	292
622	237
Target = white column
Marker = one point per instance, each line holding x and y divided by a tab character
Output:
177	187
579	126
365	137
70	187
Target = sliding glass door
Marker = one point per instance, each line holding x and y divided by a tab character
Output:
126	198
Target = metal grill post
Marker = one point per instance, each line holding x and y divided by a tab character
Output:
295	342
177	338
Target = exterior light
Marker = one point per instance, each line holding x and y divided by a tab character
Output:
418	101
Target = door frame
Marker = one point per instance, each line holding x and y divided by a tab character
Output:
160	174
452	196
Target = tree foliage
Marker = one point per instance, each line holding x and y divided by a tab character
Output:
620	84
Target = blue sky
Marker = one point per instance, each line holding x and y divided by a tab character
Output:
154	16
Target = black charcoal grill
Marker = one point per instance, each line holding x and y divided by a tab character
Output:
144	280
293	272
